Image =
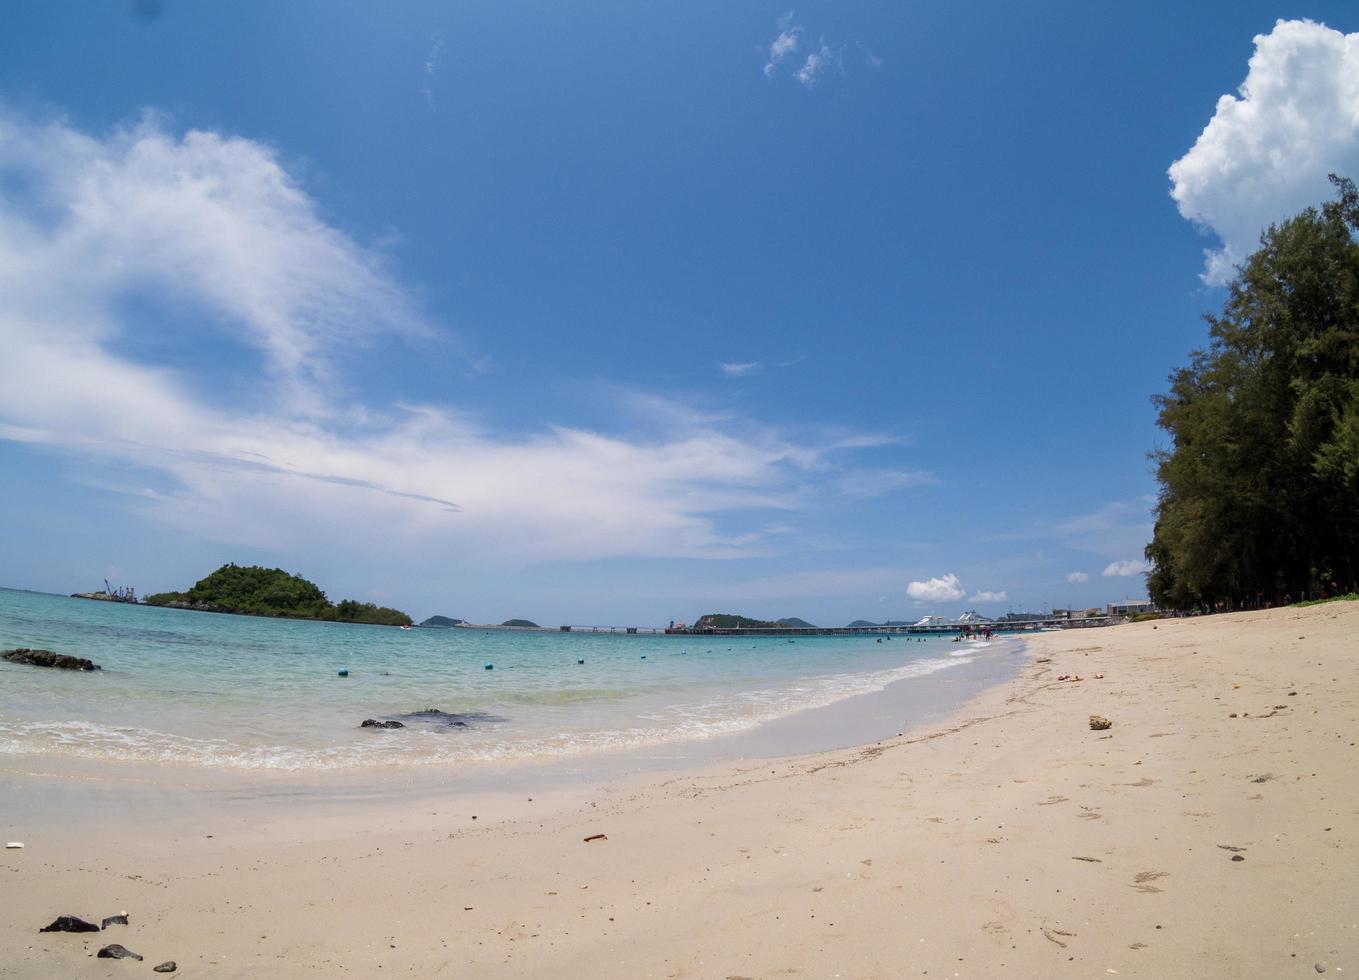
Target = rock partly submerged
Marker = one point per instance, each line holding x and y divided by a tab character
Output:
374	723
47	658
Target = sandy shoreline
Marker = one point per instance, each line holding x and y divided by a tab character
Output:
1008	841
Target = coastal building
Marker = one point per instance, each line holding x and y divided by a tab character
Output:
1131	607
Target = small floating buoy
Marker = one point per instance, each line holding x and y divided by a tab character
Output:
343	672
489	667
644	656
580	661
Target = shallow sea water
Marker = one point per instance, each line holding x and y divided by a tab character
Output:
245	693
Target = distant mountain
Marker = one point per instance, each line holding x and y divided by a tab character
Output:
861	623
442	622
526	623
792	622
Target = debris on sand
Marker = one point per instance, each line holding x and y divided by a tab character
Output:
596	837
1099	723
114	920
169	966
70	923
114	951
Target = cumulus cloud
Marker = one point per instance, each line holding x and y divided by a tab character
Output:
1078	577
214	225
944	589
736	369
1267	151
985	596
1125	569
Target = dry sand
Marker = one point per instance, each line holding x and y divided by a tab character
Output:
1011	841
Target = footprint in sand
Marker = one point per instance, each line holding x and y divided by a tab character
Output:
1053	799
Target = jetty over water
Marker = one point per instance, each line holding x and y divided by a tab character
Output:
914	629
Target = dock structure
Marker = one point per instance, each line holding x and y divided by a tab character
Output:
914	629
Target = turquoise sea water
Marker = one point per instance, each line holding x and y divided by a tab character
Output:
248	693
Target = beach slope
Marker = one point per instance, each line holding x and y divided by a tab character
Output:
1210	832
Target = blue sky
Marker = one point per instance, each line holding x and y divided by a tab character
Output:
628	312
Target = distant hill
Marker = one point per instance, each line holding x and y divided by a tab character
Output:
528	623
861	623
256	591
729	621
792	622
442	622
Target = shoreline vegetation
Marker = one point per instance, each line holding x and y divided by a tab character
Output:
250	590
1259	499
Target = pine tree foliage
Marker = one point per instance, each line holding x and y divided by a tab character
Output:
1259	499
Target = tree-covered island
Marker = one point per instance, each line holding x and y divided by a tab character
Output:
255	591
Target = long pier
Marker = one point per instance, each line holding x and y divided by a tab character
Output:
933	629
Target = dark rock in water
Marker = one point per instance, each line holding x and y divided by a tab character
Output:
70	923
169	966
374	723
113	951
445	719
114	920
46	658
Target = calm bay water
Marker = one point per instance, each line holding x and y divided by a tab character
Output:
247	693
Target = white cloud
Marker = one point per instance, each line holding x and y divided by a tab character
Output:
218	226
736	369
433	62
1125	569
1266	154
817	62
1115	529
783	45
984	596
1078	577
945	589
866	483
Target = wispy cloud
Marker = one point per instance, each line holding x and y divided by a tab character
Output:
433	62
866	482
817	63
786	47
736	369
1126	568
1077	577
984	596
946	588
295	458
784	44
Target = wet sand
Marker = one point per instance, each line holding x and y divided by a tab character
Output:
1006	840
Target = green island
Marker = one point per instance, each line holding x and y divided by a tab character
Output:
522	624
730	621
255	591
